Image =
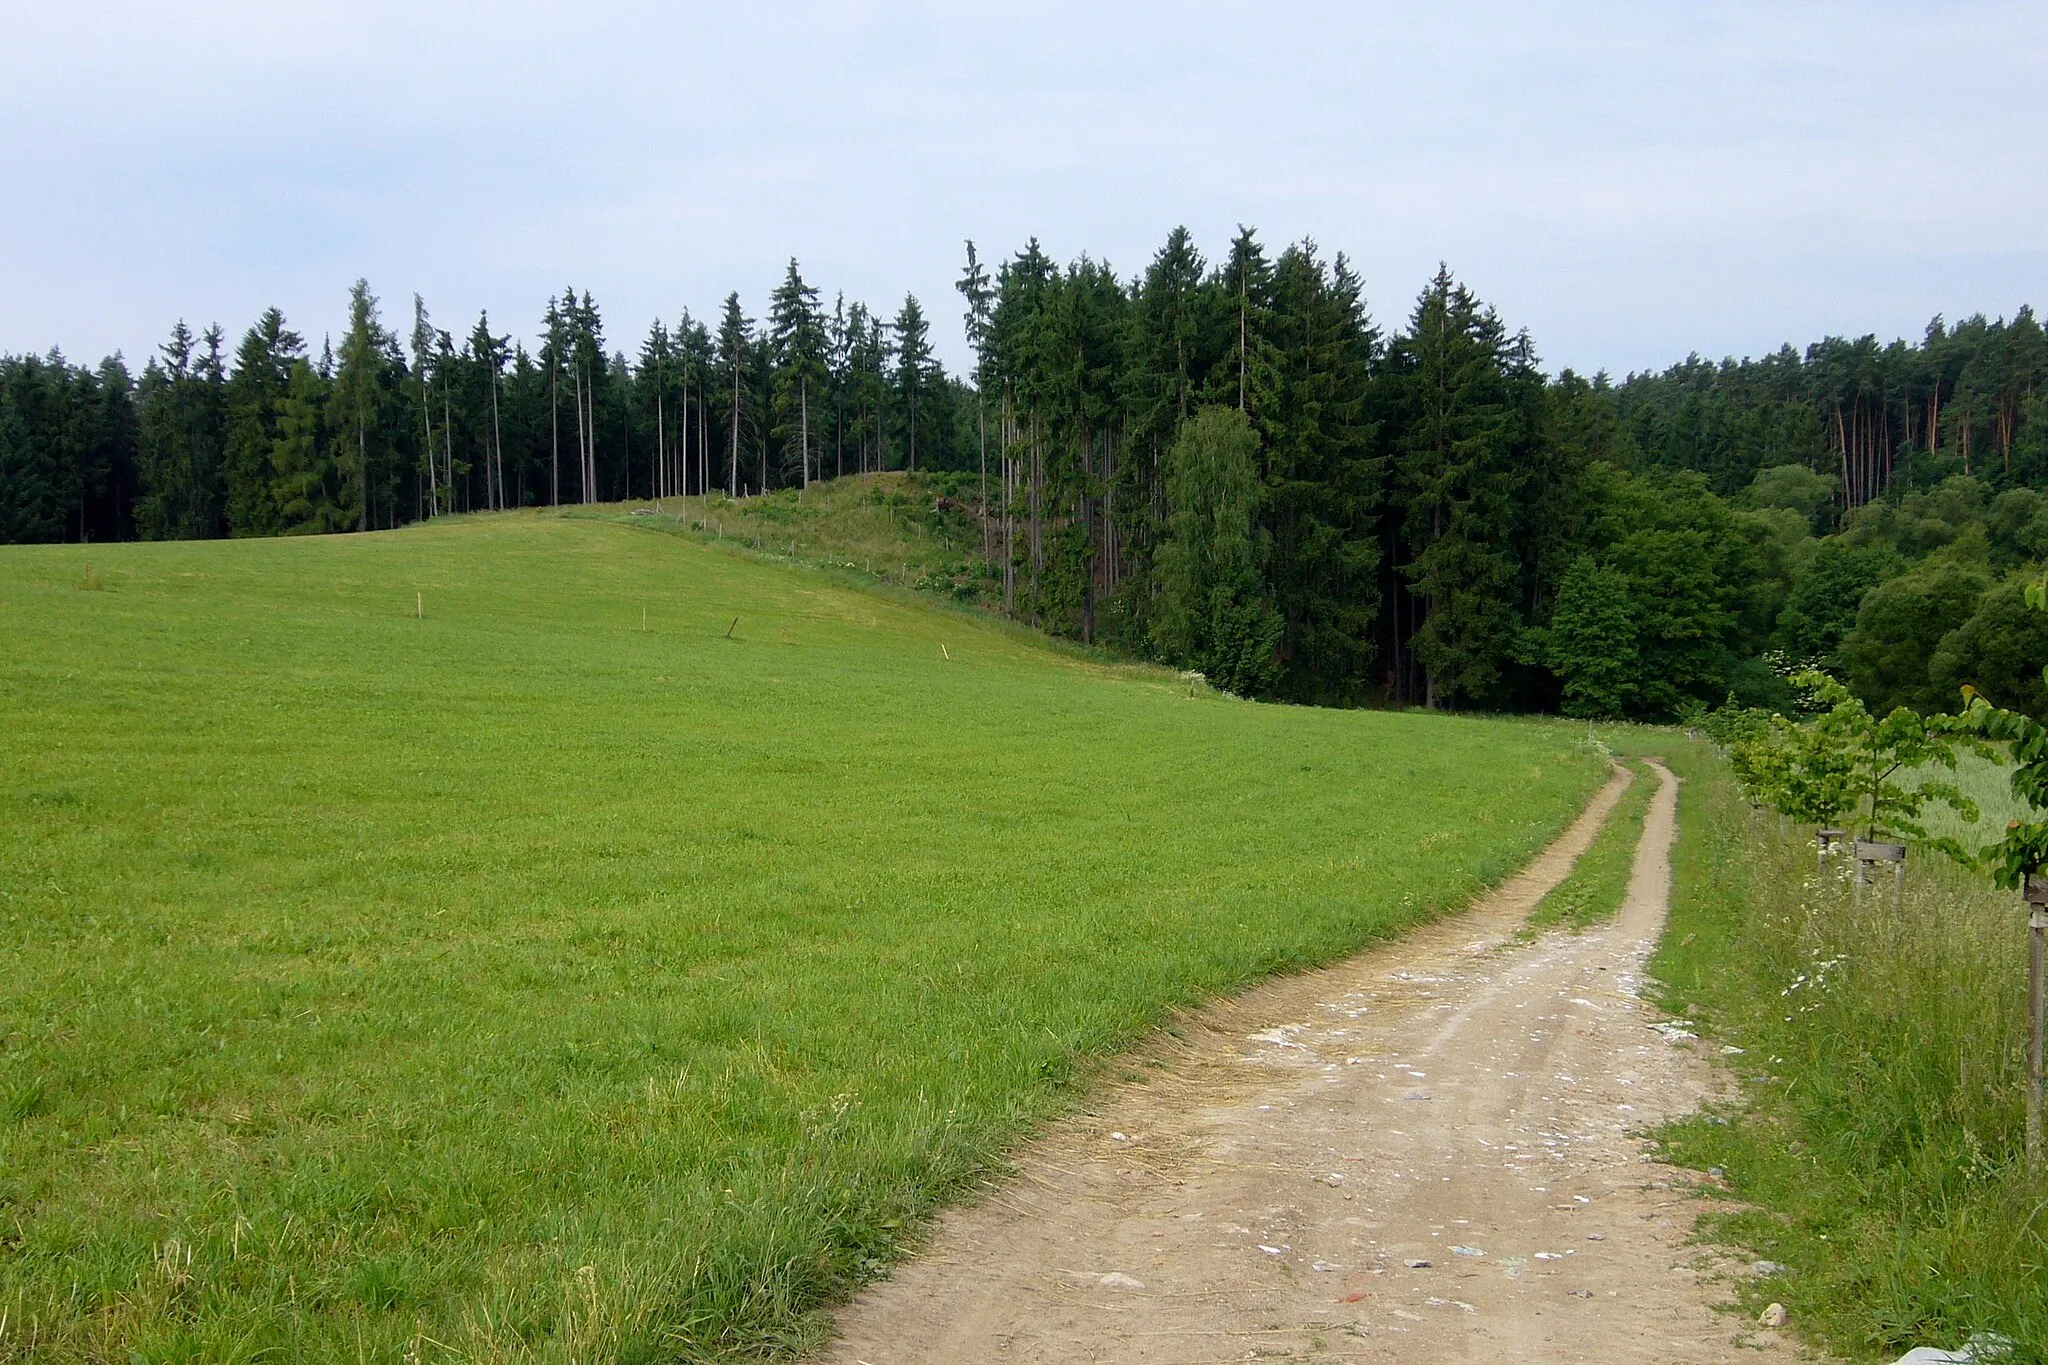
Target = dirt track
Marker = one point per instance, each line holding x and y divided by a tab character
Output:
1456	1099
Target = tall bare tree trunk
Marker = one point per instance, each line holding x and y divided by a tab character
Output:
497	439
433	465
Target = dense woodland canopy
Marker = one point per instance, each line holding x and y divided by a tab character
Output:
1227	465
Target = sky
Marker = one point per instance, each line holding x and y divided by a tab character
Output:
1630	182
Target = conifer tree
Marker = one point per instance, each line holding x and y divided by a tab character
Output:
307	486
735	346
914	374
263	366
1456	487
800	377
179	455
360	397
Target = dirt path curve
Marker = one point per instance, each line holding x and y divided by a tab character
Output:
1422	1154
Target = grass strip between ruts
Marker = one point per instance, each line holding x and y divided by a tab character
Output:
1598	882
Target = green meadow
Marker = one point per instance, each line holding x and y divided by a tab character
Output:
467	942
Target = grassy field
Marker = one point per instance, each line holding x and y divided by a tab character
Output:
458	943
1598	882
912	530
1882	1054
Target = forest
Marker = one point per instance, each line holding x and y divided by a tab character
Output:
1228	466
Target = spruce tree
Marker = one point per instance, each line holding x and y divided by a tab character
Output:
735	348
359	399
1458	478
263	367
914	375
800	376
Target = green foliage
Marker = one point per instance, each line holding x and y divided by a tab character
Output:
1900	626
555	987
1821	609
264	365
1872	752
1794	488
2024	850
1470	408
1878	1145
1591	642
1212	611
1797	770
2000	651
1423	493
179	436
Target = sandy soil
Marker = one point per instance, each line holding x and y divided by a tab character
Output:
1423	1154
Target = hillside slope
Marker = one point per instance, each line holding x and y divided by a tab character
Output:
467	936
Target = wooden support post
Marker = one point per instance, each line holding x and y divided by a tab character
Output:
2037	1009
1827	839
1869	852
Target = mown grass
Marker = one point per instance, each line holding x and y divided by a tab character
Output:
555	977
1881	1142
1598	882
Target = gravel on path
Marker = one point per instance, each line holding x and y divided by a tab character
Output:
1426	1153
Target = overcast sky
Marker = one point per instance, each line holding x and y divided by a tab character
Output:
1630	182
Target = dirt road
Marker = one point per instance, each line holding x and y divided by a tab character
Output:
1423	1154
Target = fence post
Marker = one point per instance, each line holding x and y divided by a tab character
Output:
1868	852
1826	840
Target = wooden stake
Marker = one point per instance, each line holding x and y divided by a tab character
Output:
419	606
728	629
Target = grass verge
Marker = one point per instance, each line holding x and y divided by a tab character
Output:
1598	882
1880	1145
466	942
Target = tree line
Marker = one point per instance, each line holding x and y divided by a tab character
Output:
1229	466
377	430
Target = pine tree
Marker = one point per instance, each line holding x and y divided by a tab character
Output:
361	394
263	366
915	374
735	347
306	486
979	292
1322	474
796	341
179	455
1457	481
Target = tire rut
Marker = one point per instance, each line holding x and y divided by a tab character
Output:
1424	1153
